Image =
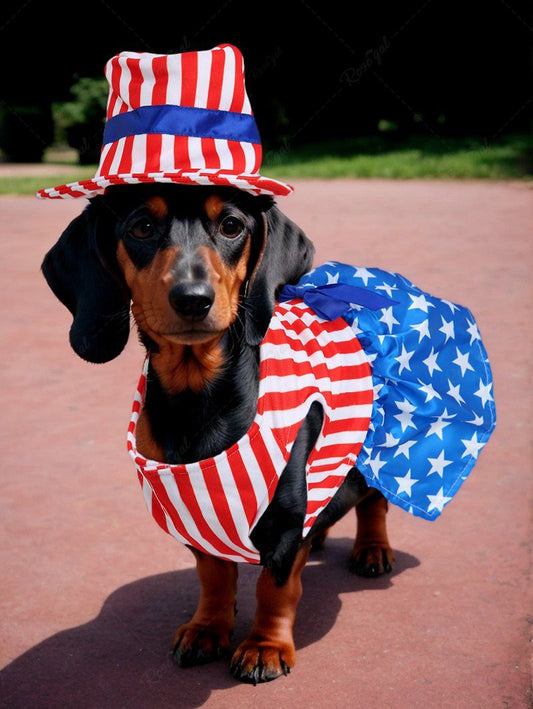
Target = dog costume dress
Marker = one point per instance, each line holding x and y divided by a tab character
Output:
406	389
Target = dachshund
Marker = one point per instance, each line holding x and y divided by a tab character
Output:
199	269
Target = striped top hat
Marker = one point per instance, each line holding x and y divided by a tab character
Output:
177	118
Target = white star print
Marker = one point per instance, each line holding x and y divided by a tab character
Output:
477	420
454	392
462	361
387	288
390	441
403	359
420	303
423	329
405	483
437	425
428	391
484	392
452	306
431	362
438	464
375	464
403	449
472	446
356	306
447	328
388	318
437	501
472	331
364	274
406	416
355	327
332	278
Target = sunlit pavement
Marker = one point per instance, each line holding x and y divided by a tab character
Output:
92	590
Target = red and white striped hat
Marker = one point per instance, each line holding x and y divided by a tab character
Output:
178	118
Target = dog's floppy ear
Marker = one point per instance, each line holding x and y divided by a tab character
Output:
285	256
79	272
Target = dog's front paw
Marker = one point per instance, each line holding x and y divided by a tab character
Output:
196	644
262	660
371	560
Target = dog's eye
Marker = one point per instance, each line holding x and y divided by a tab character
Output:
143	228
231	226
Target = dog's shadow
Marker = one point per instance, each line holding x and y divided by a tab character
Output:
121	658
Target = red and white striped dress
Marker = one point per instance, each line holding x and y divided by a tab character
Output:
214	504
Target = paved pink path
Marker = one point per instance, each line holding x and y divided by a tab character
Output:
92	590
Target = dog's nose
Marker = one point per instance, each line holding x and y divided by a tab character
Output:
192	299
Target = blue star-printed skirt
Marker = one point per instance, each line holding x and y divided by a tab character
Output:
433	408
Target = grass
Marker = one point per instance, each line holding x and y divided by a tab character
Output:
510	157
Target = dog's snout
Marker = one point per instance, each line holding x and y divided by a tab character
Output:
192	299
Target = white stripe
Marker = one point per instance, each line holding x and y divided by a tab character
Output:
124	85
166	159
148	83
103	156
174	79
252	467
224	153
203	79
294	382
113	169
208	511
138	154
195	153
168	482
235	505
288	417
285	351
246	107
343	438
249	155
228	80
319	494
344	335
147	494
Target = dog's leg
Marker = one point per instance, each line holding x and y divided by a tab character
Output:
206	636
268	651
371	554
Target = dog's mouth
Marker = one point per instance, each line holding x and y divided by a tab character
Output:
192	335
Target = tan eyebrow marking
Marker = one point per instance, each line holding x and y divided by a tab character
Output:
157	206
213	205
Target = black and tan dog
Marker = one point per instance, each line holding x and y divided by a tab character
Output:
200	269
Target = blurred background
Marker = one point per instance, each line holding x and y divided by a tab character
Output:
421	88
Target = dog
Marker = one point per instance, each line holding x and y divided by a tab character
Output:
200	269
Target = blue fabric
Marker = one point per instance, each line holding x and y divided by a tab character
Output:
183	120
433	408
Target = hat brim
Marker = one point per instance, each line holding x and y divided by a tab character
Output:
90	188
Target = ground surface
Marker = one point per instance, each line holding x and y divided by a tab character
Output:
92	590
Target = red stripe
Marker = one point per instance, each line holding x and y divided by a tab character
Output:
215	82
314	505
286	367
136	80
238	89
329	482
220	502
153	152
280	401
124	167
266	466
278	337
160	70
161	494
237	153
106	165
210	154
189	500
116	72
181	152
258	150
244	485
189	74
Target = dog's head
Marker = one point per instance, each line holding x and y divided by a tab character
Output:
190	260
